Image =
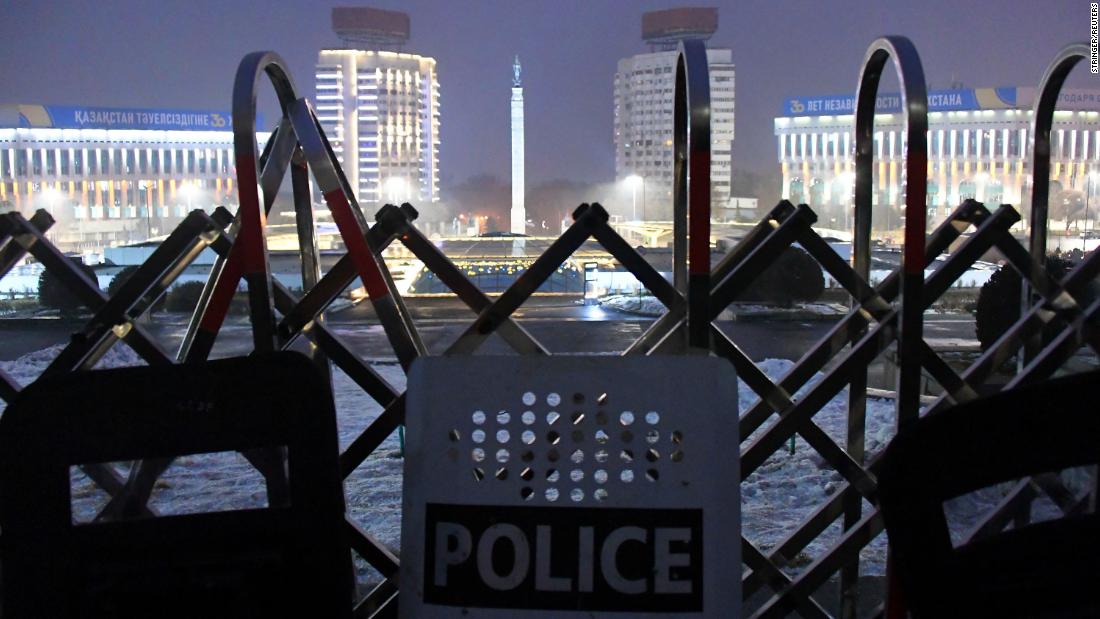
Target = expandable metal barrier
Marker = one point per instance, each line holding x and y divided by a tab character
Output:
885	315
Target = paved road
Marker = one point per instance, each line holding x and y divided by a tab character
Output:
560	326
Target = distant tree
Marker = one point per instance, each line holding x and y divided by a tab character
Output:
1067	205
184	297
120	278
481	195
998	306
53	294
552	201
794	277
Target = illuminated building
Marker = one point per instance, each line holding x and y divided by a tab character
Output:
978	147
644	90
380	108
111	176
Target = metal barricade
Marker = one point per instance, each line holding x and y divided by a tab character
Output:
882	316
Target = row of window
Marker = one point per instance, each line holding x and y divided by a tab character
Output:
23	162
108	193
839	193
967	143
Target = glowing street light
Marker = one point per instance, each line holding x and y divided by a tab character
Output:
636	181
189	191
52	197
847	182
1092	176
397	189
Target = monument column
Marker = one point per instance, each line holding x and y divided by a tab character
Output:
519	215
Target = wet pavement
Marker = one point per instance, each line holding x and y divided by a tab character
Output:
561	326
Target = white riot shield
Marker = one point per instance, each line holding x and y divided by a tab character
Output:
571	486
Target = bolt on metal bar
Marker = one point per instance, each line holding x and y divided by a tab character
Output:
88	345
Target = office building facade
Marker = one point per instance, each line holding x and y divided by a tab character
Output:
111	176
979	146
380	110
643	113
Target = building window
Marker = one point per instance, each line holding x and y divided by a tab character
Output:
967	190
78	161
36	162
5	168
155	155
143	161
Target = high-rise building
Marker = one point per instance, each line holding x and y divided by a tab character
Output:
644	100
380	108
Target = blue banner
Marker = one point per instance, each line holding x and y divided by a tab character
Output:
890	103
81	117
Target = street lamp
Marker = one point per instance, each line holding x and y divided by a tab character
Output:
397	189
982	179
189	191
1093	174
636	181
52	197
847	183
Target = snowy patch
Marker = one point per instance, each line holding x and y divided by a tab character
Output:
633	304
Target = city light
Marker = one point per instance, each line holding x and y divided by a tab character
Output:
52	196
635	181
397	189
190	192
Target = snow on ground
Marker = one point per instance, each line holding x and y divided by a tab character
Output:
646	305
775	499
634	304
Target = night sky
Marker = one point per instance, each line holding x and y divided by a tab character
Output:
169	54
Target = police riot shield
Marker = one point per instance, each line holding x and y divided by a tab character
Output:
571	486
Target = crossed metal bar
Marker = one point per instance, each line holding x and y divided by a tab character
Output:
115	318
